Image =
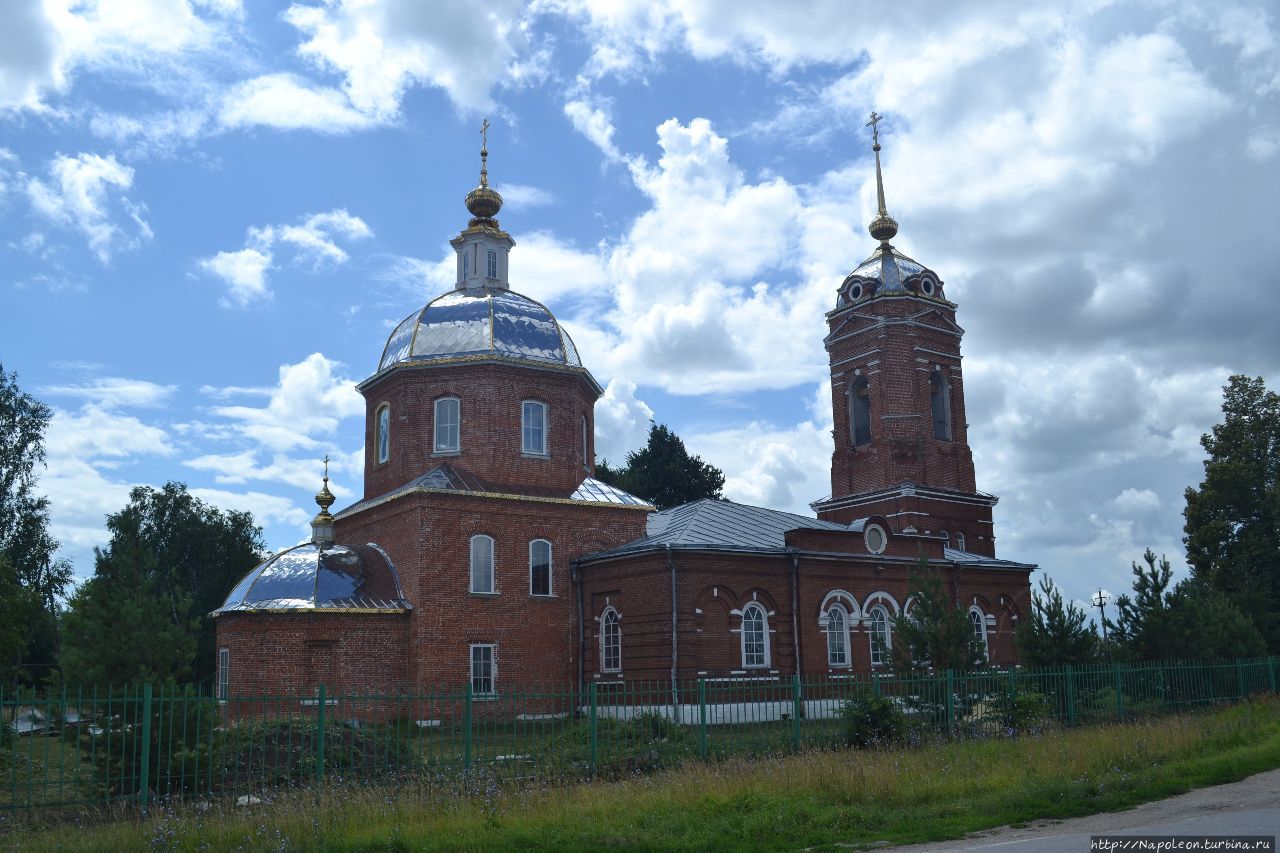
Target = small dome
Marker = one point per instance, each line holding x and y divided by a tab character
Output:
484	202
888	271
313	577
480	322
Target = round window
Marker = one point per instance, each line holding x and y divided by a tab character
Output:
855	292
927	287
875	538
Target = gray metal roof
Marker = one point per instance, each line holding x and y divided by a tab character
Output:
312	577
713	524
955	555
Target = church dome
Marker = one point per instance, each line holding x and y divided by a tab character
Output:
320	577
888	271
480	322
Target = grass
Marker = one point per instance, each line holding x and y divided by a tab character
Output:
817	799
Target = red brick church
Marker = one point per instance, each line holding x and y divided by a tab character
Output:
484	549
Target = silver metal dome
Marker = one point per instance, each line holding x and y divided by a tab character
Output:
311	577
888	271
480	322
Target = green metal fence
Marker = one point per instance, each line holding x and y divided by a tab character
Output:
87	747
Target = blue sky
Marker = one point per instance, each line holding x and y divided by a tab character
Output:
213	213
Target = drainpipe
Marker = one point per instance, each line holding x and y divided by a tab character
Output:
576	577
795	609
675	634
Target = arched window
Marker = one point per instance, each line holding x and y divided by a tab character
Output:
755	636
224	674
860	411
384	433
879	636
837	636
539	567
940	404
586	445
448	424
481	563
960	540
978	623
466	263
493	264
533	427
610	641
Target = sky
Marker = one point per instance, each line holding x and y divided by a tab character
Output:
212	214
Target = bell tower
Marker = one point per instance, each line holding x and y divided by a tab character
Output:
901	436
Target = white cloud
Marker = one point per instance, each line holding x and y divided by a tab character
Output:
78	195
114	392
95	432
288	102
244	271
381	49
595	123
622	422
522	196
265	508
1137	500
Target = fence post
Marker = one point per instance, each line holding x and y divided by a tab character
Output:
595	744
951	703
796	705
1271	673
702	718
321	708
1240	677
875	684
466	729
144	780
1119	692
1071	696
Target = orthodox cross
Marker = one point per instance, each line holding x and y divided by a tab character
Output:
326	467
484	134
875	131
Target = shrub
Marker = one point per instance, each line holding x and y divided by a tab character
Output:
1022	712
652	726
870	720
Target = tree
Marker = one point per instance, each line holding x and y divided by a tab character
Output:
1191	621
172	558
664	473
25	542
1233	520
1057	633
17	607
937	634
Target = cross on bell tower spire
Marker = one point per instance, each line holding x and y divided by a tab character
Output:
884	226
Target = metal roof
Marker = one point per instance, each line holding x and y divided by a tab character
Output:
716	524
955	555
312	577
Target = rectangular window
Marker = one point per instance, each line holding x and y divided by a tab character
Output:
224	673
484	672
448	416
493	264
539	567
534	427
586	445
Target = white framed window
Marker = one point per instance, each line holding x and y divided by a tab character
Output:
224	673
448	424
539	567
875	538
481	563
610	641
484	669
860	411
755	637
960	540
586	445
533	427
879	635
384	433
466	263
940	405
493	264
837	636
978	622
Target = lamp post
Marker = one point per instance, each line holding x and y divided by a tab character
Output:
1100	601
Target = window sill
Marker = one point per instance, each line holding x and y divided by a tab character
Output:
539	595
484	697
527	455
485	594
457	452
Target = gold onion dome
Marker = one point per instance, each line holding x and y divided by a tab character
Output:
484	202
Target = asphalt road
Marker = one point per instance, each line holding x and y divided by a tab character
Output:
1248	807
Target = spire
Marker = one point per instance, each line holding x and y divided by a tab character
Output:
884	226
322	524
484	202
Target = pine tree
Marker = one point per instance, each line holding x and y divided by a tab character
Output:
664	473
1057	633
936	634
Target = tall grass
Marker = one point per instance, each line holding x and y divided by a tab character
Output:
940	790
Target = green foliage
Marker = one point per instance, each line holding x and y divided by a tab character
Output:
1057	632
937	635
651	726
664	473
1190	621
1022	712
1233	519
25	541
869	720
283	751
172	558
